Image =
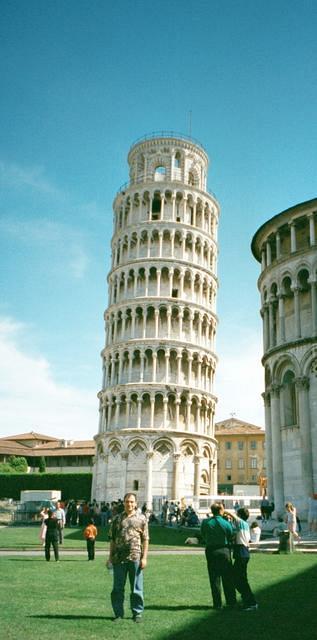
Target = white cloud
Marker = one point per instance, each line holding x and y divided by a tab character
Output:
239	380
16	176
67	250
30	398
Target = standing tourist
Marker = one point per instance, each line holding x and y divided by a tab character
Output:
51	537
61	519
44	516
90	533
241	555
290	519
217	534
129	541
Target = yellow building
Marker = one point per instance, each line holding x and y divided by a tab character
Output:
241	454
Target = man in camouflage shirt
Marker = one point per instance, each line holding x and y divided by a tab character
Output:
129	540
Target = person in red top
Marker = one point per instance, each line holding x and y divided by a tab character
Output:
90	533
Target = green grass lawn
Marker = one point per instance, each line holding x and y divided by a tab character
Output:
19	537
70	600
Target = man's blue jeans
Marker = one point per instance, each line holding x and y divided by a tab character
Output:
120	573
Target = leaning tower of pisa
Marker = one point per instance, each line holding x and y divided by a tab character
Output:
156	428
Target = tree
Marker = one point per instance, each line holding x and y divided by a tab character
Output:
42	465
17	464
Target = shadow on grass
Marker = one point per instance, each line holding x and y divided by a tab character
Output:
162	536
285	611
182	607
55	616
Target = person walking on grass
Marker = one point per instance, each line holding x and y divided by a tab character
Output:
90	533
51	536
129	540
216	532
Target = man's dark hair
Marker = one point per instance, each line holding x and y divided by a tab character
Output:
243	513
127	495
216	507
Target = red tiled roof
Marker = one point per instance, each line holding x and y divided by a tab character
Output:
234	426
31	435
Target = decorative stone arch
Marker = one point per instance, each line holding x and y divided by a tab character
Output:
284	362
137	446
193	176
164	446
114	447
189	447
158	162
308	363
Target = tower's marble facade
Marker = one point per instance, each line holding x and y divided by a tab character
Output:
156	430
286	247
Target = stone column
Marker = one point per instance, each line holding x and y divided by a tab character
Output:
149	498
133	314
177	404
263	259
196	476
146	290
124	468
127	412
162	206
271	323
160	243
117	401
293	237
172	243
175	481
190	362
173	206
198	416
152	401
180	321
313	285
165	403
167	365
268	444
302	386
130	366
281	317
158	282
312	235
142	357
268	254
179	365
277	455
188	407
144	311
156	315
139	403
154	357
181	293
297	327
278	245
169	316
171	275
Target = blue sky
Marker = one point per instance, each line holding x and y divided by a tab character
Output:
81	81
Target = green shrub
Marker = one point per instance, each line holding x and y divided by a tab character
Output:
72	485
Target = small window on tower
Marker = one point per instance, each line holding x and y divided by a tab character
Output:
177	160
160	173
135	485
174	293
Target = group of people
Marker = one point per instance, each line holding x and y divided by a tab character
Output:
224	534
52	529
174	513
